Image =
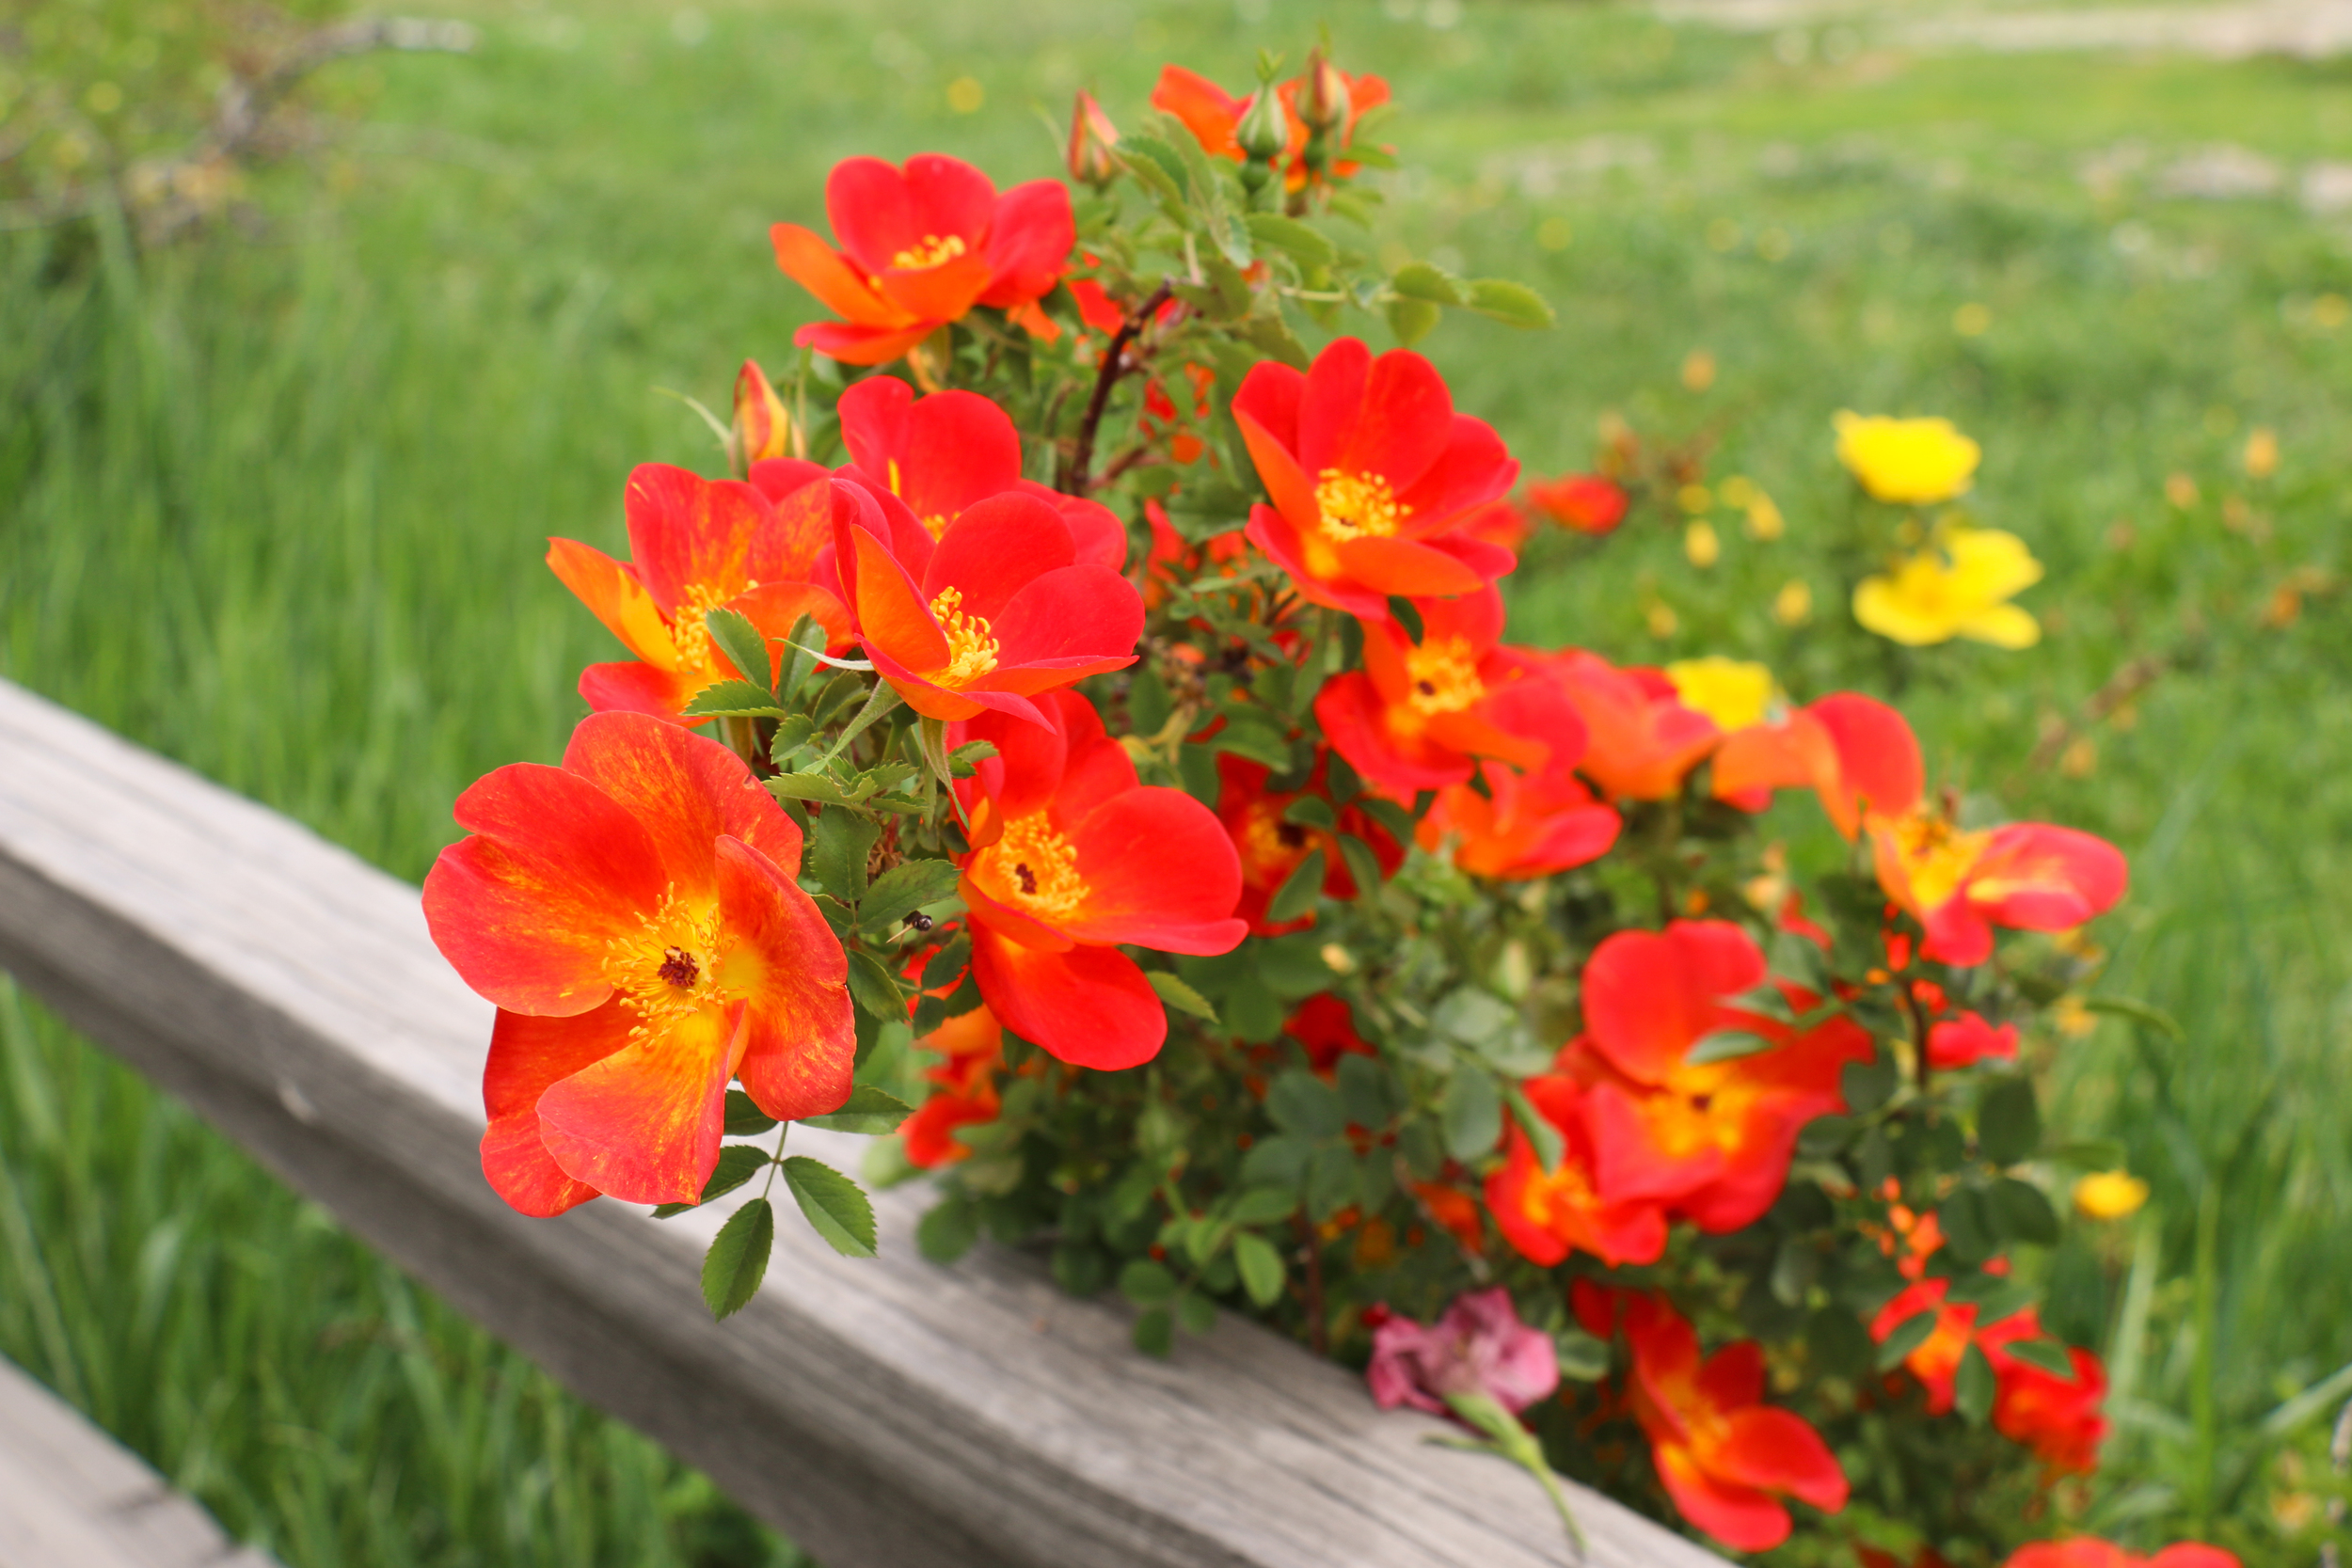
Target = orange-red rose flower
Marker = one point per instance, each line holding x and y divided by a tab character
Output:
998	609
699	545
1373	477
1965	1040
1417	714
1524	825
942	453
1857	753
967	1093
1548	1215
920	246
1726	1457
2086	1552
1640	740
1272	846
1071	859
1935	1361
1710	1140
633	914
2058	1417
1325	1027
1212	115
1583	503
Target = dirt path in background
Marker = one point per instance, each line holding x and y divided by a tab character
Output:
2310	29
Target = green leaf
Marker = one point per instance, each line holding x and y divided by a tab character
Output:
839	843
1362	865
1149	706
2048	1354
1515	304
1907	1336
1154	164
1331	1182
737	1259
1584	1358
838	694
1276	1163
868	1110
835	1205
745	1119
1146	1283
733	634
1248	734
1967	1228
1305	1106
966	759
1472	1015
1364	1092
873	989
732	699
1974	1385
1197	1314
807	640
1273	335
2009	1123
2020	1213
1293	238
947	1231
1725	1045
879	703
1551	1149
792	733
2137	1012
1838	1342
1179	995
1261	1265
1299	889
1155	1332
903	889
1263	1205
1473	1113
947	962
738	1164
1411	319
1419	281
1868	1084
1406	614
1311	810
1390	815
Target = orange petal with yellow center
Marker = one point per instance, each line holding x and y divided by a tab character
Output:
685	791
614	596
839	287
528	1056
799	1045
644	1123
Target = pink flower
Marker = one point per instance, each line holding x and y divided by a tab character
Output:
1478	1347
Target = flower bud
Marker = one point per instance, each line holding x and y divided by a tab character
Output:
1092	138
1261	133
763	428
1323	96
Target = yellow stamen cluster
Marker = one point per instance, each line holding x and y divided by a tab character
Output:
1357	506
688	631
1936	856
933	252
668	968
971	651
1444	675
1271	843
1035	869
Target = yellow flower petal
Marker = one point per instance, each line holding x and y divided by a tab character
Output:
2004	625
1909	462
1882	607
1733	692
1989	565
2110	1195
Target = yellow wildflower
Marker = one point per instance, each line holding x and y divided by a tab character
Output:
1794	605
2109	1194
1909	462
1764	519
1959	586
2262	452
1701	544
1733	692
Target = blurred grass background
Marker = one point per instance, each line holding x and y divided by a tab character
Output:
273	500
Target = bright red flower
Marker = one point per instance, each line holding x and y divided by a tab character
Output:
1548	1215
1000	609
942	453
699	545
1373	477
1641	740
1711	1140
1965	1040
1071	859
1857	753
2086	1552
1525	825
1417	714
1325	1025
1212	115
920	246
972	1043
1959	885
2059	1417
1500	523
1935	1361
1584	503
1726	1457
634	916
1272	846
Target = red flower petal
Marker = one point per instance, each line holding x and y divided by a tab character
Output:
940	454
800	1044
1648	995
2033	876
880	212
526	908
634	688
685	791
1471	469
1077	620
1160	872
687	532
863	345
838	287
644	1124
996	548
614	596
1741	1517
528	1056
1090	1007
1208	111
1029	239
1778	1450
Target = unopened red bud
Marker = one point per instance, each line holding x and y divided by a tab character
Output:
763	427
1092	138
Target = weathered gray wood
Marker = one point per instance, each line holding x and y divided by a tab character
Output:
883	1413
71	1496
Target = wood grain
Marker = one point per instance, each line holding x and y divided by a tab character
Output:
72	1498
884	1413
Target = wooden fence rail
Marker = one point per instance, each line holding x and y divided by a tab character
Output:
884	1414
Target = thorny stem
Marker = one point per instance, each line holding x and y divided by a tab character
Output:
1074	482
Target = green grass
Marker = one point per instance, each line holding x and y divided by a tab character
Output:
274	504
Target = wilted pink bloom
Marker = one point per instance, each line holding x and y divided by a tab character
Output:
1478	1347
